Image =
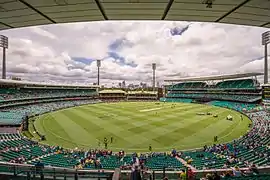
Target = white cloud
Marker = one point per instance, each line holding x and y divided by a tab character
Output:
43	32
48	52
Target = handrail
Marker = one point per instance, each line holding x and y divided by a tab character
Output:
71	170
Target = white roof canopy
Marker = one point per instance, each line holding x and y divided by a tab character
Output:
8	82
214	78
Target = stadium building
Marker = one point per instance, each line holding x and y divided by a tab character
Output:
143	95
24	102
21	99
34	113
112	94
237	88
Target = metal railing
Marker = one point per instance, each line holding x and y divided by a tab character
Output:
55	173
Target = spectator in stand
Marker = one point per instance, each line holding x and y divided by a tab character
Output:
190	174
236	172
135	174
183	175
216	176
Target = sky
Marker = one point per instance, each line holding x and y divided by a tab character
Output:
66	53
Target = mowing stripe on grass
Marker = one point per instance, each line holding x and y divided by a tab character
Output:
173	125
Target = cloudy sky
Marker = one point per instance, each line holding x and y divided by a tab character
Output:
66	53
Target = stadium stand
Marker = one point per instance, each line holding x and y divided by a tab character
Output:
188	85
253	148
19	99
122	95
237	84
250	150
266	96
15	115
142	95
11	94
234	105
220	88
112	95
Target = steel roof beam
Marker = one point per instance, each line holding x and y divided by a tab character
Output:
265	24
167	9
232	10
36	10
6	25
101	9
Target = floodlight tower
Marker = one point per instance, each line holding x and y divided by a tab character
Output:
98	66
4	45
265	42
154	65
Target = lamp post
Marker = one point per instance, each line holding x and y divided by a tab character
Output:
154	66
4	45
98	66
265	42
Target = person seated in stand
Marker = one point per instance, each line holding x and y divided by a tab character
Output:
236	172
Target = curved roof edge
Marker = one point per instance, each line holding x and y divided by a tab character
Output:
39	84
23	13
112	91
216	77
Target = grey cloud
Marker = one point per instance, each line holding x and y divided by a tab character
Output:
44	53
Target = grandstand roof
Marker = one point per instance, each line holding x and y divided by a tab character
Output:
217	77
116	91
266	85
38	84
142	92
20	13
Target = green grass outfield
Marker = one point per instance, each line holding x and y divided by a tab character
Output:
136	125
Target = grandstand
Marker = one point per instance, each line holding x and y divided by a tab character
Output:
119	94
19	99
142	95
112	95
24	158
237	88
266	95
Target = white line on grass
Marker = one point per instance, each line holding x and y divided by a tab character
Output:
143	149
147	110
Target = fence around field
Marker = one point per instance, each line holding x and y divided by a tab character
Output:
32	172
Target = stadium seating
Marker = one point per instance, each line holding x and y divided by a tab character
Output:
158	162
10	117
229	90
176	100
232	97
14	115
228	84
236	84
58	160
15	148
252	148
187	85
203	160
234	105
12	94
